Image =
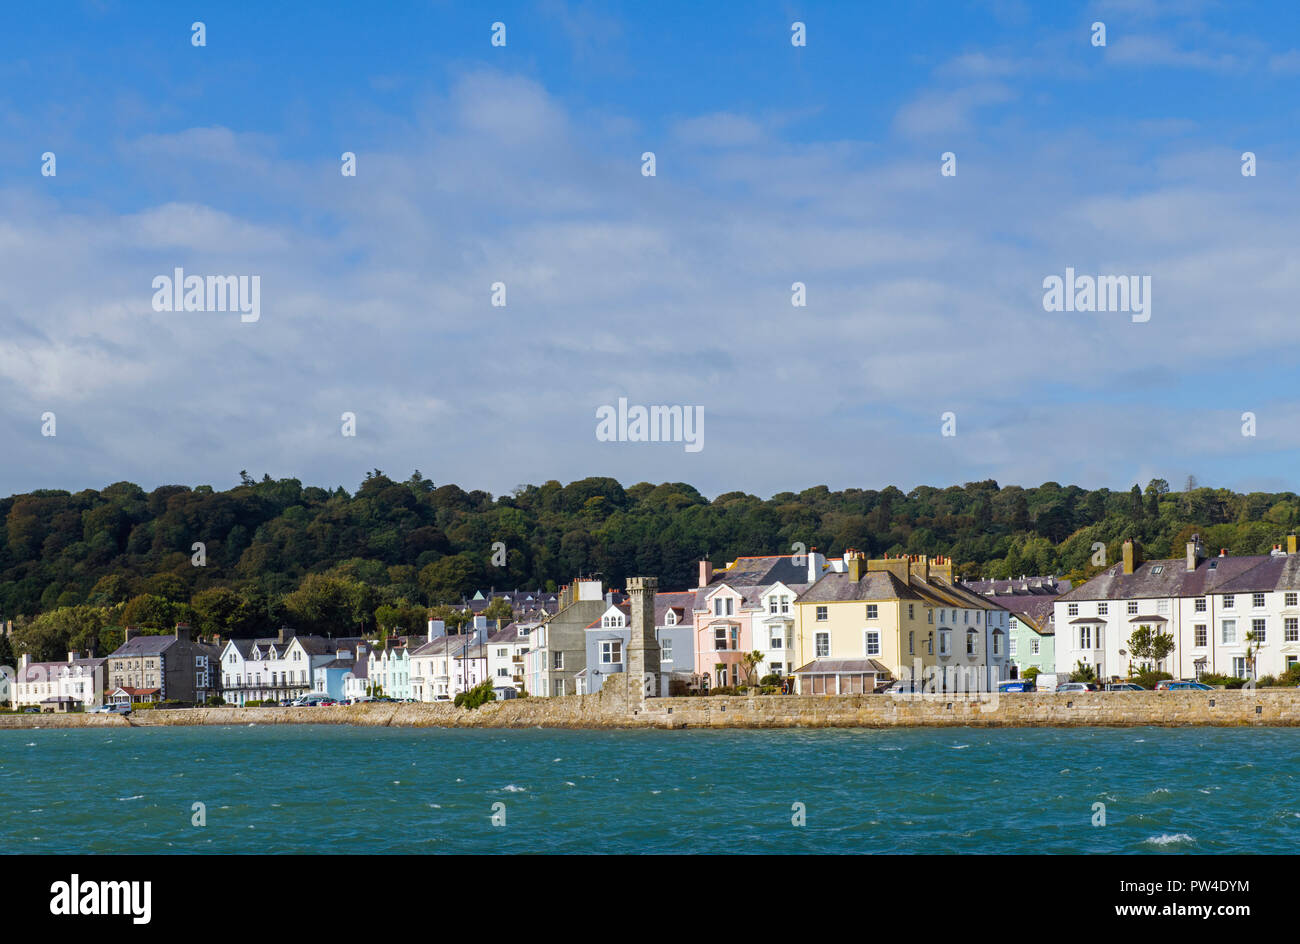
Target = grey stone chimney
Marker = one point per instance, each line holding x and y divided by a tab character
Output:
643	648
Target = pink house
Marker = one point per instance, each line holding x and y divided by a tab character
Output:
746	606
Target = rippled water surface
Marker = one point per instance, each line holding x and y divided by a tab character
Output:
305	789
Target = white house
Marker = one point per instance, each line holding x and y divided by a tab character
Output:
1234	616
76	684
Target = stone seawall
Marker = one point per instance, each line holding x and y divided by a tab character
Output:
609	709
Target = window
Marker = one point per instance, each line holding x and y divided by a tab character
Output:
873	611
771	604
929	616
1013	646
721	636
966	616
970	642
778	640
943	641
611	651
821	614
1257	600
911	643
665	650
997	643
1258	628
1085	637
670	618
823	645
1291	629
978	614
1200	635
1290	599
1158	569
557	662
785	604
941	612
1101	609
873	642
1200	605
1229	632
1132	608
503	672
1033	647
911	611
1162	607
1229	601
502	653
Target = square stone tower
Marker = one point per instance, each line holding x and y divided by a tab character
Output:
643	648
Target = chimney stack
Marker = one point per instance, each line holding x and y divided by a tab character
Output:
1130	556
854	561
129	633
815	564
183	632
1290	544
72	655
706	572
437	629
643	666
1193	552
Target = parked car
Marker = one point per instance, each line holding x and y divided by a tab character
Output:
1168	686
31	710
111	709
906	687
1017	685
1124	687
1078	687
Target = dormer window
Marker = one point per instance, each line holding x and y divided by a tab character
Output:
670	618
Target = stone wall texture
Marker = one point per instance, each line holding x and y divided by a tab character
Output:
609	708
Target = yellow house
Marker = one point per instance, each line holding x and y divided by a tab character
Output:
865	622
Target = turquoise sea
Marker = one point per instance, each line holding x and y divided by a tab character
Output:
326	789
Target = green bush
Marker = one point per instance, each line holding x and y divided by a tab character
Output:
478	695
215	700
1031	673
1291	677
1149	679
769	680
1083	673
1266	681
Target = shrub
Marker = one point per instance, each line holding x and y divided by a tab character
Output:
215	700
1083	673
478	695
1031	673
1149	679
769	680
1291	677
1266	681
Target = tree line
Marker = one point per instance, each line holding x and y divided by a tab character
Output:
76	568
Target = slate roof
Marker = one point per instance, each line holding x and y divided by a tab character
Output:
1166	578
759	571
49	671
836	587
1035	612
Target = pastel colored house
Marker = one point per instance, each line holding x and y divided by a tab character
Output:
1031	604
608	638
867	622
747	606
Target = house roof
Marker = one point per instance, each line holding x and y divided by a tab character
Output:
48	671
835	587
755	571
1166	578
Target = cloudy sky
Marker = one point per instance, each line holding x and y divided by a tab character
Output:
774	164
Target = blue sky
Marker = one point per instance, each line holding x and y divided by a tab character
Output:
775	164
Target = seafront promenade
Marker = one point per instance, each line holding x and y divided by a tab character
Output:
610	709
